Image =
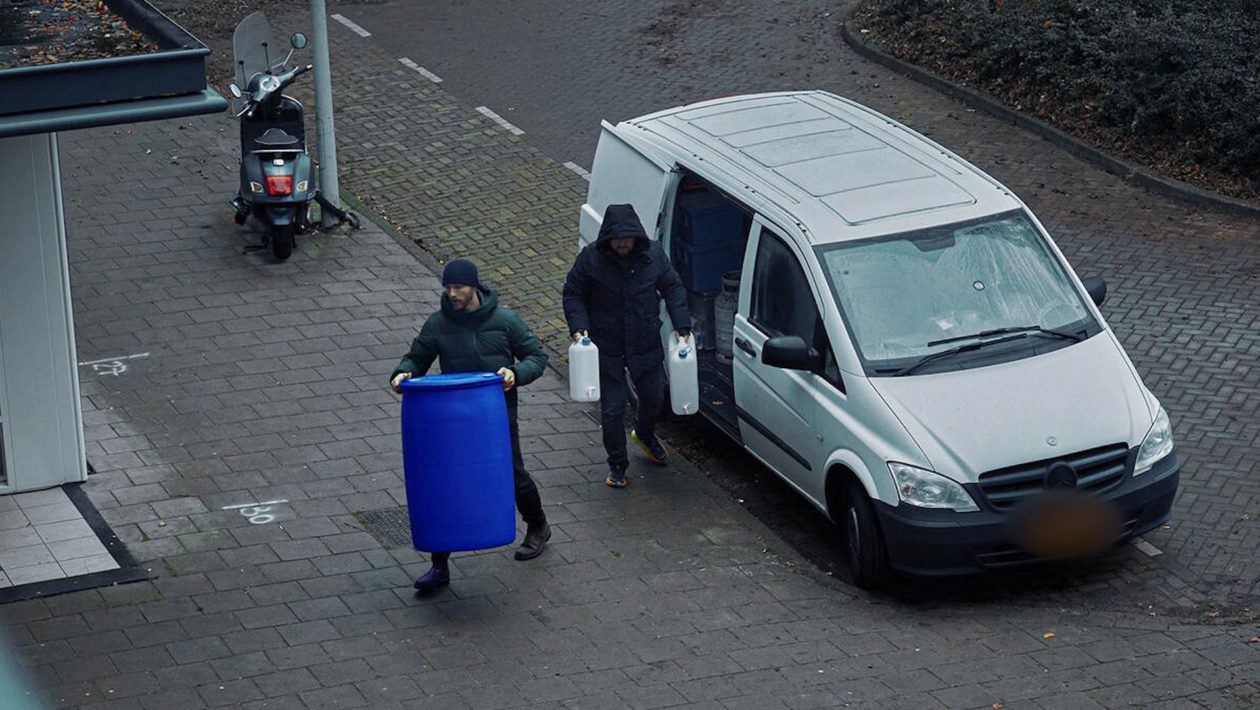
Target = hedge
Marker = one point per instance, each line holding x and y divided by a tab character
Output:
1177	79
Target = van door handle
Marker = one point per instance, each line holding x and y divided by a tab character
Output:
743	345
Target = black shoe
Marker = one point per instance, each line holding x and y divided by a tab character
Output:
536	537
437	577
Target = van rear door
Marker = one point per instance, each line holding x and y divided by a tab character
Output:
627	169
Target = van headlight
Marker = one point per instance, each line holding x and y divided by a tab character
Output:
1157	444
928	489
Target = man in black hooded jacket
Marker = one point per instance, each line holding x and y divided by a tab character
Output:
613	293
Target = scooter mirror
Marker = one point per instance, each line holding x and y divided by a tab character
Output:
298	40
236	90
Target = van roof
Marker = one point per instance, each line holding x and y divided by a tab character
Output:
841	169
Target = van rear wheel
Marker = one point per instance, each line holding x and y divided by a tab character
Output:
864	543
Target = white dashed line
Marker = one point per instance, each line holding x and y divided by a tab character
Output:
1147	548
353	27
581	171
500	120
423	72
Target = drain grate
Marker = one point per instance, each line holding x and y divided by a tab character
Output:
389	526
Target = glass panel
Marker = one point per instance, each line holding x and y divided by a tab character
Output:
902	294
782	303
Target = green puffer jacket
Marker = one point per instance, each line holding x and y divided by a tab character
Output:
484	340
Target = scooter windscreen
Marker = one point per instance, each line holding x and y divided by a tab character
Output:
255	49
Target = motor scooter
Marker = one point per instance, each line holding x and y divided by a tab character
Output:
277	179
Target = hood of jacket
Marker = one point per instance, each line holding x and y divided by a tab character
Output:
489	302
622	222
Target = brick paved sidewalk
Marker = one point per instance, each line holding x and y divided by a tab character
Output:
1183	280
265	383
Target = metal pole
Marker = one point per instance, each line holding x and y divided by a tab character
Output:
324	113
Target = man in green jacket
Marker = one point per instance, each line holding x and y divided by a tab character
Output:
473	333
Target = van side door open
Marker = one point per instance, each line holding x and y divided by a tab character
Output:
775	404
635	174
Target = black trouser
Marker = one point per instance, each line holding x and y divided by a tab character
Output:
528	502
649	385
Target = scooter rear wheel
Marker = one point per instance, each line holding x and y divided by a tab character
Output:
282	241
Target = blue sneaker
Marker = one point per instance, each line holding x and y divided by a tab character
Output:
616	479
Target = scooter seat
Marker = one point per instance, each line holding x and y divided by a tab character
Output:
275	137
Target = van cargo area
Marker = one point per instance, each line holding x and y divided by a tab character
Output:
708	236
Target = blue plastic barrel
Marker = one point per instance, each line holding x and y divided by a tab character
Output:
457	462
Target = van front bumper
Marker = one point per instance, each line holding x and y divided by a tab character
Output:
928	542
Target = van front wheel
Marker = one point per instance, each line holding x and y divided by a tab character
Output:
864	543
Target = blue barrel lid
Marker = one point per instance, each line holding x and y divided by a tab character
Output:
451	381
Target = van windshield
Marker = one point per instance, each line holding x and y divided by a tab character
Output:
912	295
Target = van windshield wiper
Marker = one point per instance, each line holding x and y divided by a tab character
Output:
954	351
1002	331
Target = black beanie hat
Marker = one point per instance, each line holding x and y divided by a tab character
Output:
460	272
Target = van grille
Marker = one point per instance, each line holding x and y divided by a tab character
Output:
1097	470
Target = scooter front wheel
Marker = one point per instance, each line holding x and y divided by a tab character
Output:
282	241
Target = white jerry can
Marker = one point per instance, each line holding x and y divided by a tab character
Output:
584	371
684	375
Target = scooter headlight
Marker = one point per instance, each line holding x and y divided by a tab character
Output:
928	489
1157	444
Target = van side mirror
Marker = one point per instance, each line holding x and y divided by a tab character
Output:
1096	287
791	353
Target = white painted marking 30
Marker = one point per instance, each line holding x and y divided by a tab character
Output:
257	513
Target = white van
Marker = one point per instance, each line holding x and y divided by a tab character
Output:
908	348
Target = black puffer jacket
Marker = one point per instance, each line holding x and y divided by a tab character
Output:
618	298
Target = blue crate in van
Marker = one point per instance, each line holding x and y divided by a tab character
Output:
708	221
701	269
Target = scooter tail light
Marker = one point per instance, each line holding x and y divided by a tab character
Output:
279	185
255	186
302	185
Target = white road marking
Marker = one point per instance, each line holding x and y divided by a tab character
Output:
423	72
353	27
248	505
500	120
113	359
257	513
1147	548
581	171
112	365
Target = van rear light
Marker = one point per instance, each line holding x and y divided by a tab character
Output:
279	185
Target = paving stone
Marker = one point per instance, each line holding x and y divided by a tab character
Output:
701	588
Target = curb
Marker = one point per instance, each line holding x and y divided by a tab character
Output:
1126	171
